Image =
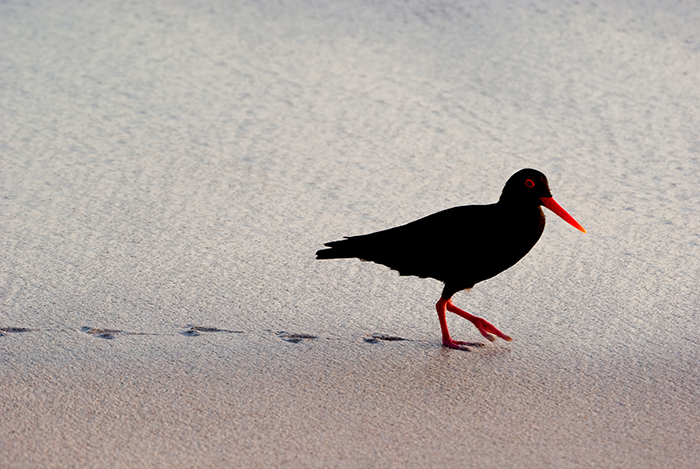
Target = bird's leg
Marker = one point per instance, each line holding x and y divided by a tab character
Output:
485	327
446	339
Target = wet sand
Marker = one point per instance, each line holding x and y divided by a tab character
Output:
169	170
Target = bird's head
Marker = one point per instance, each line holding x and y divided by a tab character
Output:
526	186
530	187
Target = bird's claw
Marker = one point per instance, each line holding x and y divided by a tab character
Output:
455	344
487	329
460	345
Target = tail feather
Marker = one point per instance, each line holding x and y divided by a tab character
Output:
383	249
336	250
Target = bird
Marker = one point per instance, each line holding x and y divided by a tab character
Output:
462	246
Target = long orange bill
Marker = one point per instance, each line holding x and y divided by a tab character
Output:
552	204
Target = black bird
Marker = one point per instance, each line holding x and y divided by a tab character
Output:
462	246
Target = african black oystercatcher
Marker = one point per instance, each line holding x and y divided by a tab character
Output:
462	246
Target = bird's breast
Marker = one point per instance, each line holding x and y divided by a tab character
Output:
498	244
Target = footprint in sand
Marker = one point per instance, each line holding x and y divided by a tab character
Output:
294	338
193	331
3	330
374	338
101	333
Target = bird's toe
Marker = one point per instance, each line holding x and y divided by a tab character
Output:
459	345
470	344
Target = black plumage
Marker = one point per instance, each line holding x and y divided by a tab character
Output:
461	246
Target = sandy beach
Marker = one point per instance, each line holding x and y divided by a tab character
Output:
168	170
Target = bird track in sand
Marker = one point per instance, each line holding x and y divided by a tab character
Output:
191	330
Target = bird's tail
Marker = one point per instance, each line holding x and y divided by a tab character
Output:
336	250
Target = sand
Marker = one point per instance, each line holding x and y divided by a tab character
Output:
168	170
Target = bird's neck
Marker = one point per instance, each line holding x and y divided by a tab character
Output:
527	216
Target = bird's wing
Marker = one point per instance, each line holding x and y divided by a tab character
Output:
432	246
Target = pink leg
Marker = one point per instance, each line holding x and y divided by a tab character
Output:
446	339
485	327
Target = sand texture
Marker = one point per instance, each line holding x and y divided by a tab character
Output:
169	168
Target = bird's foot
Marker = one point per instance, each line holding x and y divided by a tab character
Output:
460	345
487	329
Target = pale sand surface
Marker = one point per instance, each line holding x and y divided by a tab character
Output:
168	166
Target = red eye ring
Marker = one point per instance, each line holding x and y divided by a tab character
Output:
529	183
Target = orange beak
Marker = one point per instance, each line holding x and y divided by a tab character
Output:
552	204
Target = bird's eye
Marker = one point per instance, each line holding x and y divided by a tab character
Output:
529	183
